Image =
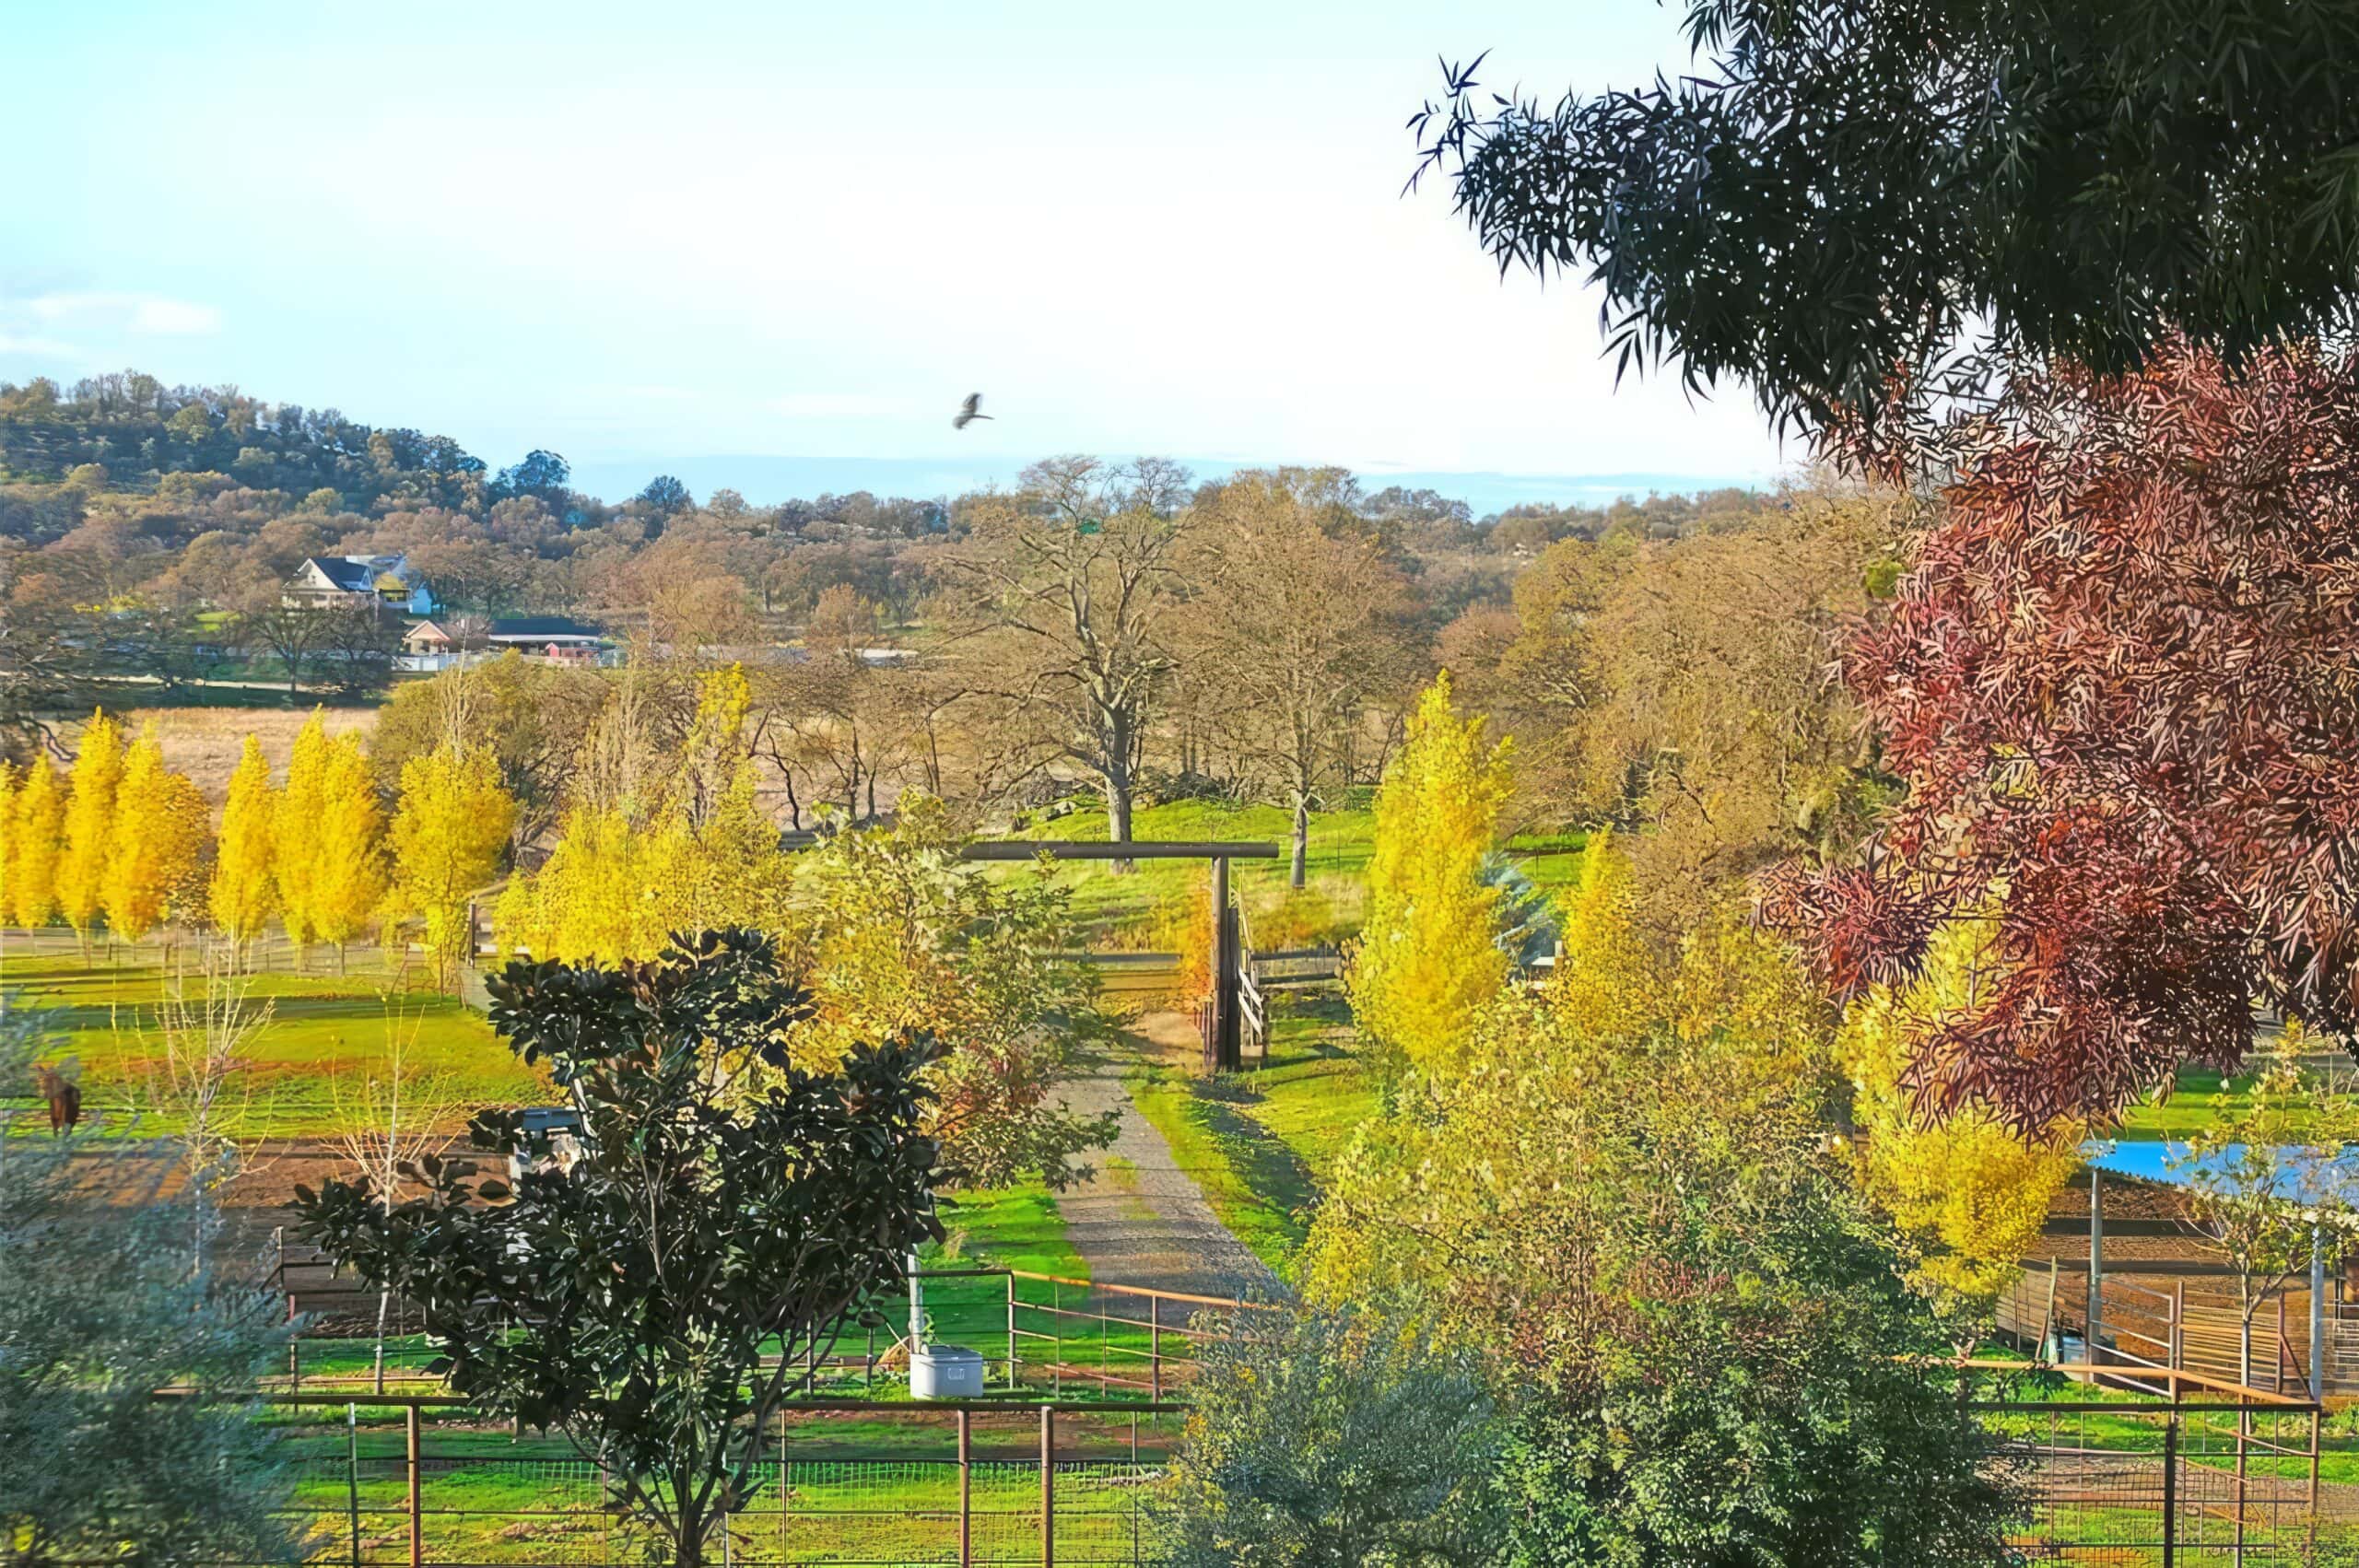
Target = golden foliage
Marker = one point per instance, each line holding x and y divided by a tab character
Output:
36	832
245	892
156	841
348	875
449	829
1968	1194
89	825
1427	958
296	835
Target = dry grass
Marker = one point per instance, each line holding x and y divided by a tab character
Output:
205	742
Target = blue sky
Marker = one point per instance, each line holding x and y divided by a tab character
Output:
649	235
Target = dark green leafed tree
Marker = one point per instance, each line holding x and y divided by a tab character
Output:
100	1307
634	1302
1860	206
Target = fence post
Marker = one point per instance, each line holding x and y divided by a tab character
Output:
2170	1489
965	1492
1154	1346
1011	1330
416	1515
2284	1350
1048	1486
2317	1312
2094	1329
2313	1500
2178	1324
352	1477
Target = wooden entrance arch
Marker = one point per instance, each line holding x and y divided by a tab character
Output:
1223	1039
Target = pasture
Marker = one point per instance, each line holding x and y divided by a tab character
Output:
316	1038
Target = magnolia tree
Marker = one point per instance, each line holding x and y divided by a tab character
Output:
652	1303
2116	683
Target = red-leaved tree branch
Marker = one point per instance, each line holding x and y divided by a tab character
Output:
2121	686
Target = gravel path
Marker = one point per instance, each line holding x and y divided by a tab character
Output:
1141	1220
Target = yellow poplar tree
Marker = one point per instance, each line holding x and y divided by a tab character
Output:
89	826
158	840
1969	1194
348	856
9	784
1607	981
450	825
245	892
295	835
36	842
1427	959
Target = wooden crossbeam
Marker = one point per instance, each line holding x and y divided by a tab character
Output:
1101	849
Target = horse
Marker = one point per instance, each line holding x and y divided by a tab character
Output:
65	1098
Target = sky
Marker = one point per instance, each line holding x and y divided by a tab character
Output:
665	238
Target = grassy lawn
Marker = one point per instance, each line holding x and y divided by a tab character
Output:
319	1030
2196	1103
1146	907
1258	1143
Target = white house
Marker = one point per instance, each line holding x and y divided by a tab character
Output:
331	582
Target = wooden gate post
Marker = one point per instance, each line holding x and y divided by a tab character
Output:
417	1515
1011	1329
1048	1486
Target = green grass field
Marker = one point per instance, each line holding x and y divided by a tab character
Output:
1145	907
2197	1102
319	1036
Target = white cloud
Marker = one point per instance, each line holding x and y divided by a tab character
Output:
147	315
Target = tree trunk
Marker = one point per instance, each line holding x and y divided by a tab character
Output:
1117	812
1297	876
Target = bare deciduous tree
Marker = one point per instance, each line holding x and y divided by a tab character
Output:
1298	632
1063	598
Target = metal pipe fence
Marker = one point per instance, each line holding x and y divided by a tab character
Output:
1059	1337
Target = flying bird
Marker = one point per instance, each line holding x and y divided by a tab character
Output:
967	415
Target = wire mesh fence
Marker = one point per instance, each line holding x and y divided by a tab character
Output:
2132	1466
2107	1471
419	1483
